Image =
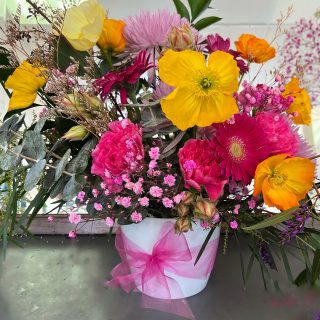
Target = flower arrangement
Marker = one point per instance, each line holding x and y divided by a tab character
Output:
148	118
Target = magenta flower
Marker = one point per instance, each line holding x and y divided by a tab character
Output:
114	156
234	224
216	42
240	147
124	78
72	234
199	168
81	195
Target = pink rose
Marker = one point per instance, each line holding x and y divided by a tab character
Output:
199	168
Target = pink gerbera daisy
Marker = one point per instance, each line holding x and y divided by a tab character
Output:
240	147
150	30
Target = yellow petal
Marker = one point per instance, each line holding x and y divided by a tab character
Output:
178	68
224	65
216	108
21	100
181	107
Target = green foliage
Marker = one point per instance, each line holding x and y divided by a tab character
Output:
196	8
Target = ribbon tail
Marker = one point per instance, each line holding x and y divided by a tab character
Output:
179	307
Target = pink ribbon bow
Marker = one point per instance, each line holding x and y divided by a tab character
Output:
148	273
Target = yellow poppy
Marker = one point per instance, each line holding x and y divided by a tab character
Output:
25	81
203	93
283	181
83	24
111	38
254	49
301	106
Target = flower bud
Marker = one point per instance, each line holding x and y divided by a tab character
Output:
183	224
188	197
76	133
182	209
181	38
92	102
204	209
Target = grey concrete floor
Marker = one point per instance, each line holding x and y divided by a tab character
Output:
54	278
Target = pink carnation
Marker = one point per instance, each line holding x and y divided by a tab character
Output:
156	192
119	151
199	168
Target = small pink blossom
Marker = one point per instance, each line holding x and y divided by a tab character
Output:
80	196
74	217
156	173
156	192
153	164
126	202
169	180
50	218
179	197
129	185
137	188
98	206
95	192
72	234
144	202
168	203
136	216
169	165
109	222
154	153
234	224
251	204
106	192
236	209
103	185
216	218
204	224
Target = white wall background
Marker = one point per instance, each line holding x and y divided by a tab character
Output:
239	16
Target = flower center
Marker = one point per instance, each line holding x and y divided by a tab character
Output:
237	149
206	83
277	178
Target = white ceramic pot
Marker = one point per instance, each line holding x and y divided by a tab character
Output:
147	233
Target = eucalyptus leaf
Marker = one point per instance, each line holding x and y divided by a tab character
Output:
34	174
11	159
174	142
10	126
80	162
39	125
58	188
34	145
62	164
73	187
272	221
3	146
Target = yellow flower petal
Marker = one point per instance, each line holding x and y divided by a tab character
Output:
178	68
224	65
216	109
181	107
21	100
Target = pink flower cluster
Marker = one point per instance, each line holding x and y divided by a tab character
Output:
118	154
262	98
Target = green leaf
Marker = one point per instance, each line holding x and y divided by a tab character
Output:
301	278
204	245
286	264
62	164
59	186
73	187
271	221
11	160
315	270
80	162
206	22
34	147
197	7
182	9
3	146
10	126
34	175
5	62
